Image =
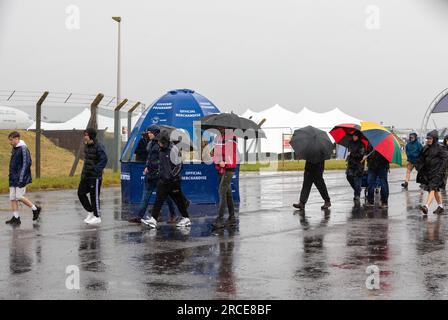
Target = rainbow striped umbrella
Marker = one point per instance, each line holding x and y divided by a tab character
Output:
382	140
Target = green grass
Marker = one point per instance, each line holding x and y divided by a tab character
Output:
294	165
62	182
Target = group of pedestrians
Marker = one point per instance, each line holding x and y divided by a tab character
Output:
162	176
163	164
431	162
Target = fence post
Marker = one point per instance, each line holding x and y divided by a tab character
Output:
93	122
130	118
117	134
39	131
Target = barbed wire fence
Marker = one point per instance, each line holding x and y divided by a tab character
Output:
43	99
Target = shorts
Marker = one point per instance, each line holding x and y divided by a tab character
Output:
16	194
411	166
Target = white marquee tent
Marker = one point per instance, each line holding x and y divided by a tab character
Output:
281	121
79	122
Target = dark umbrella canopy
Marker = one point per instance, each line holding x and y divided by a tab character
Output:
231	121
312	144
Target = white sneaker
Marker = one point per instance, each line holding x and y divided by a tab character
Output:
184	222
94	221
89	216
151	222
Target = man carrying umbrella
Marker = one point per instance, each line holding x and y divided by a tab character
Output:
315	147
224	157
378	169
225	151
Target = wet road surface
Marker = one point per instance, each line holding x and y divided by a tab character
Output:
275	253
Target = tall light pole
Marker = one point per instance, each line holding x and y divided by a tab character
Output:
117	118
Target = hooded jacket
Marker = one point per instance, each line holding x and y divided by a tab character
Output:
432	163
225	150
354	165
413	150
170	163
95	160
20	166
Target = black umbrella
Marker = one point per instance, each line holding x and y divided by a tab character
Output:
311	144
232	121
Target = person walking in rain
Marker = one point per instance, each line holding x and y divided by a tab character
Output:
378	169
225	159
445	145
413	150
313	175
169	183
355	164
19	178
431	167
95	160
151	173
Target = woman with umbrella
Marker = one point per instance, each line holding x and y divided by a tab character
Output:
315	147
431	168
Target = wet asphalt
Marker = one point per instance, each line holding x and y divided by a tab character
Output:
274	253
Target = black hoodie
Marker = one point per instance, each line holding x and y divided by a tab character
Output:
432	163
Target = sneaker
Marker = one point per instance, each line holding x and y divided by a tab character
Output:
231	221
384	205
151	222
14	221
36	213
300	206
218	223
326	205
424	209
94	221
439	210
405	185
89	217
184	222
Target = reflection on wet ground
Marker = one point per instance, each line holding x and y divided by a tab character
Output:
274	253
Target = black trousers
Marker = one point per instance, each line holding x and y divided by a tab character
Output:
225	194
172	189
92	187
313	177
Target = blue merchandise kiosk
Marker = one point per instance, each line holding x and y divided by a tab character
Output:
177	108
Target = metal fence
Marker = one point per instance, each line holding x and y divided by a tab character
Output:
42	99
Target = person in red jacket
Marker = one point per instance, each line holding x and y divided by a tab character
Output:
225	158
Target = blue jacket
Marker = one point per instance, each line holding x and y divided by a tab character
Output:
152	161
20	166
413	151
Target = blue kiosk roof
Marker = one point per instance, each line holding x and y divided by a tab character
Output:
178	108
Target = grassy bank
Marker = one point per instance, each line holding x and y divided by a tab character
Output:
55	183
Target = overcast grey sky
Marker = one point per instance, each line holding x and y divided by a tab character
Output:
239	53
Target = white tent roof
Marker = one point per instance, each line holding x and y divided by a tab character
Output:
281	121
79	122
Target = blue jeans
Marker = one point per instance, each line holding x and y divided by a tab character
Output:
356	184
149	187
375	176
